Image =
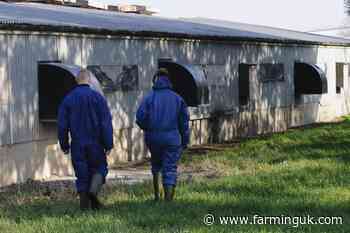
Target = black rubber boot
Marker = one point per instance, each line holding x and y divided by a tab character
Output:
156	187
95	203
84	201
173	192
169	193
95	187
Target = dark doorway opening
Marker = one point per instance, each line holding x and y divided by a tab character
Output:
246	73
339	85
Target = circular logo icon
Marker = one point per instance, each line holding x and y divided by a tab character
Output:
209	219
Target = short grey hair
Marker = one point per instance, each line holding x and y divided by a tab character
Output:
83	76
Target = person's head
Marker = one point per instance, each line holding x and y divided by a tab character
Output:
83	77
159	73
163	72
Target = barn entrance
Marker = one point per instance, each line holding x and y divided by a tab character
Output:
189	81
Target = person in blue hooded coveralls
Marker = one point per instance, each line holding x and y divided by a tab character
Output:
84	114
163	115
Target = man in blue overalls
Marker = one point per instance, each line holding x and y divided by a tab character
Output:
163	115
84	114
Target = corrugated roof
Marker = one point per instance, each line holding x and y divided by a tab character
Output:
270	31
35	16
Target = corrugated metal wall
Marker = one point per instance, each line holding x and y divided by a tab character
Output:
19	55
272	105
5	101
24	53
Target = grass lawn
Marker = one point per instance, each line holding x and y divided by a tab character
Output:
301	172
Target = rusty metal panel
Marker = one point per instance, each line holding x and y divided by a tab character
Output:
24	53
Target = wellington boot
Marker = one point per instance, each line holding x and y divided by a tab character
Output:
169	192
84	201
95	188
95	202
156	187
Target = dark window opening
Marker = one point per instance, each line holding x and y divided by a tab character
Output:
245	73
116	78
339	78
54	83
309	79
271	72
189	81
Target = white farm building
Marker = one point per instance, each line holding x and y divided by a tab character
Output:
240	80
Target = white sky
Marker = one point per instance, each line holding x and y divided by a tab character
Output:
293	14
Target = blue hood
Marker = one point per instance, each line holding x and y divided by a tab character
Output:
162	82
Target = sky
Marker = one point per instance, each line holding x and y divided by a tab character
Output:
303	15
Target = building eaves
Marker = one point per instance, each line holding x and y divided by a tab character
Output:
53	18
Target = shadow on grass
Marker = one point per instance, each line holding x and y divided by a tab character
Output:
232	196
316	186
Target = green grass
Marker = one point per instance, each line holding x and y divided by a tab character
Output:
301	172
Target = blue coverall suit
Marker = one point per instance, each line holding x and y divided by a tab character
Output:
85	114
164	117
